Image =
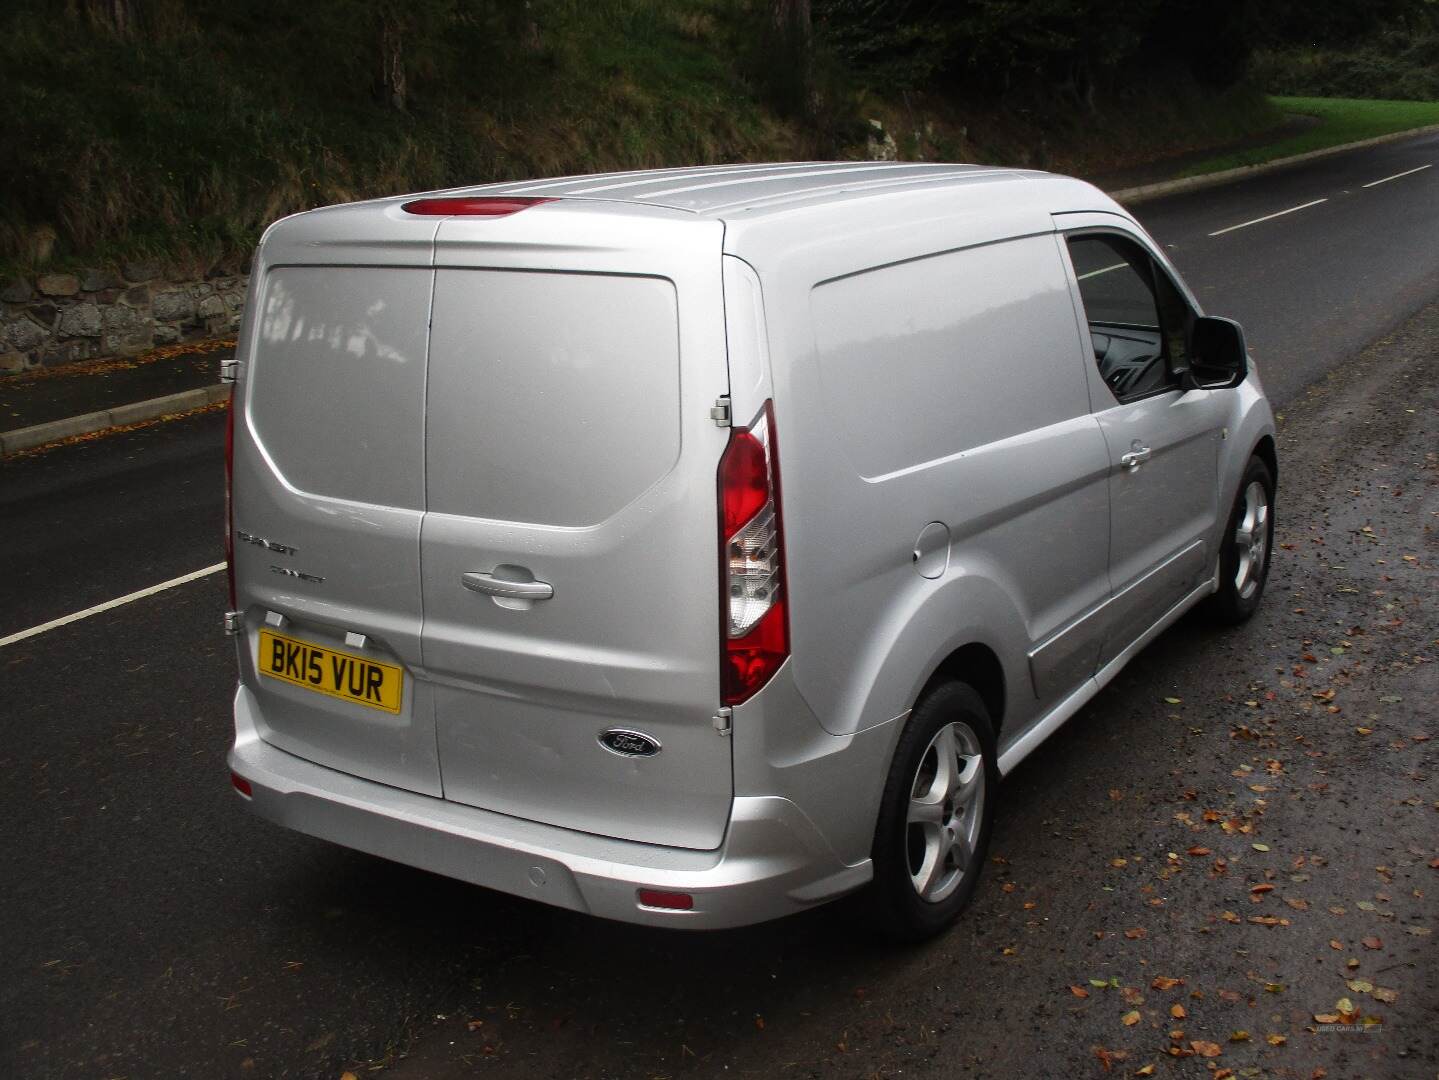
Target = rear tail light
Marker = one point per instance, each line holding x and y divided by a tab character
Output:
470	206
755	637
230	496
240	784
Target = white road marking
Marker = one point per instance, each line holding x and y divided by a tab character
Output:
53	624
1268	217
1396	176
1103	270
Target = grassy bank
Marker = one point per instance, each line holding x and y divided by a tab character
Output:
1341	120
179	136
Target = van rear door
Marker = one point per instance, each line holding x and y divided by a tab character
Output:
568	552
329	492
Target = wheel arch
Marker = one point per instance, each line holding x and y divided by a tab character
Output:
978	666
1266	452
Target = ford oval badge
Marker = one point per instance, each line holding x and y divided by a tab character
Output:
628	743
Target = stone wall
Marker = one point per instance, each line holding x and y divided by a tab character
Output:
60	318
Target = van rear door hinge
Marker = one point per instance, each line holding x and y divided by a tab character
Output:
234	623
720	414
229	370
722	720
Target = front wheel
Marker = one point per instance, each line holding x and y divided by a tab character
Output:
1248	541
934	822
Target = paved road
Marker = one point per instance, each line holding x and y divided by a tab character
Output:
1314	286
151	929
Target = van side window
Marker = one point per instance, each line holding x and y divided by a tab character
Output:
1137	318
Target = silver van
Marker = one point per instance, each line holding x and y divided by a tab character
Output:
691	547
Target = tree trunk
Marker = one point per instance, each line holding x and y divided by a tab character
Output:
794	34
117	16
394	87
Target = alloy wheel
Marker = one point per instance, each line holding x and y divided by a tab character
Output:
946	811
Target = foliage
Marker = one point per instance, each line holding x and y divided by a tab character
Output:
178	128
1394	65
208	118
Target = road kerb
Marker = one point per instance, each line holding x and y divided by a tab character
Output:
27	438
1143	192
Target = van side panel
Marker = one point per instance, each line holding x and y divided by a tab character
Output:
953	392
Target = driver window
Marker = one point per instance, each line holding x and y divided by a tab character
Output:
1136	349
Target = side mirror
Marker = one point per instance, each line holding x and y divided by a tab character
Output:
1217	354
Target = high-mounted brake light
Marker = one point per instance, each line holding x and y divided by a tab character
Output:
230	495
471	206
754	639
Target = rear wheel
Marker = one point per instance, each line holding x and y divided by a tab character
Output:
1248	541
934	822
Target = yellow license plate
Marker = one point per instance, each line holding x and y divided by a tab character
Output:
341	675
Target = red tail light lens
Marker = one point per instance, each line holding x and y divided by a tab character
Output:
755	636
470	206
240	784
230	496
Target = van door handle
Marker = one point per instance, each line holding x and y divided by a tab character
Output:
513	590
1136	456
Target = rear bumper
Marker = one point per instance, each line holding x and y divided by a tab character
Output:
773	860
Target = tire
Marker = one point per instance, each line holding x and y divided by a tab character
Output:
926	870
1247	548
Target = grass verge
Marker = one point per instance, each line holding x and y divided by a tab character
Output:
1341	120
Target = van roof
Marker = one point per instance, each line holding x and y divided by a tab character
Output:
726	190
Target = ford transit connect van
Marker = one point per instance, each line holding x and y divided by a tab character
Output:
691	547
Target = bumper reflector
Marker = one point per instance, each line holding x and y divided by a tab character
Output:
674	901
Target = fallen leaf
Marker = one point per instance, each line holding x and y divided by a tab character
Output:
1177	1011
1118	862
1274	987
759	1022
1260	847
1276	1040
1164	982
1262	887
1198	852
1229	916
1335	944
1296	903
1325	1018
1132	996
1136	933
1265	920
1239	1036
1107	1058
1172	700
1130	1018
1079	991
1371	942
1359	986
1147	1070
1389	997
1100	983
1366	905
1205	1049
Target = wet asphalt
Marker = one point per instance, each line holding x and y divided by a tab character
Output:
151	928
